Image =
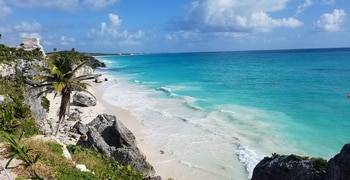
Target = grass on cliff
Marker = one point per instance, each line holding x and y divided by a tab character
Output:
320	164
15	116
52	165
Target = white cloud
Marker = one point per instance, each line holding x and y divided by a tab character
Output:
61	4
37	35
235	16
305	5
331	22
28	27
66	41
111	32
68	5
264	23
99	4
116	22
4	10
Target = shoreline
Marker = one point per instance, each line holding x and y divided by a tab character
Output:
87	114
165	160
135	126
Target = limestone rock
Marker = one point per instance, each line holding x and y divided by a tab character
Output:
7	70
108	135
74	116
339	166
34	103
83	99
286	167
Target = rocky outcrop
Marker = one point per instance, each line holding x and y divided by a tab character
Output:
84	99
94	62
7	70
27	69
339	166
108	135
34	103
84	70
286	167
292	167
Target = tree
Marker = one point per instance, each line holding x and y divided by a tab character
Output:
60	78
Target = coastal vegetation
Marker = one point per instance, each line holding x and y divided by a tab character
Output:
39	158
15	116
60	78
10	54
320	164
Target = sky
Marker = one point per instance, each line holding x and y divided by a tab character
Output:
152	26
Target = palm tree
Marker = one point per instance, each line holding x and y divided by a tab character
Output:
60	78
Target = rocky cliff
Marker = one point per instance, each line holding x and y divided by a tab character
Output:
106	134
294	167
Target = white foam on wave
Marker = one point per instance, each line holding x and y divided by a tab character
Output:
248	157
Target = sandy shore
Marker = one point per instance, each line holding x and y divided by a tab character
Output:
131	122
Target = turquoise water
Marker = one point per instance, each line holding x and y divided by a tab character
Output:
245	104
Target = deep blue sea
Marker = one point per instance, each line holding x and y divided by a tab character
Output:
222	112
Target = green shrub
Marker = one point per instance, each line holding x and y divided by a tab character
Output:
45	103
29	126
319	163
65	173
299	158
103	167
275	155
15	116
8	122
56	148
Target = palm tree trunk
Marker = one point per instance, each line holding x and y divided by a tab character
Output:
65	100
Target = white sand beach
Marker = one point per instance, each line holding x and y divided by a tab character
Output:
163	161
87	114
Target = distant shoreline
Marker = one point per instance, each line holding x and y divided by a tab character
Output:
233	51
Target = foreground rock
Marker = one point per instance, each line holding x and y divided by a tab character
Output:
286	167
108	135
339	165
290	167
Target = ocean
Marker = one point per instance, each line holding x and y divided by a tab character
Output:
220	113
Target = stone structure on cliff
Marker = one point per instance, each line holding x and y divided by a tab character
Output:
31	43
290	168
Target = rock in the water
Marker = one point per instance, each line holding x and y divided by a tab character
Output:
339	166
286	168
84	99
108	135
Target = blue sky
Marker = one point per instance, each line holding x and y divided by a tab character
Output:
115	26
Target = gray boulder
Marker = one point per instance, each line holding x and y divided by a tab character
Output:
74	116
108	135
83	99
339	166
286	168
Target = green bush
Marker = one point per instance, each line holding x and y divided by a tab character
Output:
56	148
29	126
103	167
275	155
15	116
45	103
299	158
319	163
